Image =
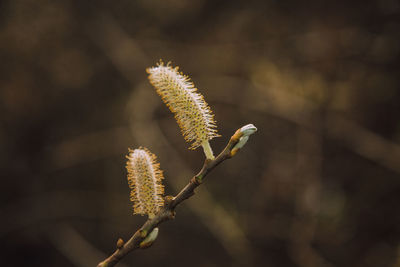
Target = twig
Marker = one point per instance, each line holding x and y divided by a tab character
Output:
168	211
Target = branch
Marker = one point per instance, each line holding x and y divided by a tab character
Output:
236	142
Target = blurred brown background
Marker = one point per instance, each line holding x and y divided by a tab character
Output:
317	185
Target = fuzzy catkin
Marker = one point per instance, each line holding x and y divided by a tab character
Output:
144	179
192	113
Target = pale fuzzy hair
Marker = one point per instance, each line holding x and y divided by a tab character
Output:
192	113
144	179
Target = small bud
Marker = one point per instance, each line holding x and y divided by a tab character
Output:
245	131
120	243
149	240
248	129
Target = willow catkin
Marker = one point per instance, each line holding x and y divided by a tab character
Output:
144	179
192	113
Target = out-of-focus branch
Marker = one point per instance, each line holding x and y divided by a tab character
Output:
236	142
68	241
299	110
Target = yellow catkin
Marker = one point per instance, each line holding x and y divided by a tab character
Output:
144	179
192	113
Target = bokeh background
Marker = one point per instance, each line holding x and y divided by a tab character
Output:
318	185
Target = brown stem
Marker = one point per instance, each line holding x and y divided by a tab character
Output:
168	211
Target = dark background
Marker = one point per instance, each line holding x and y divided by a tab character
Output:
317	185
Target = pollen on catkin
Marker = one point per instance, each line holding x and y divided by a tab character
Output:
192	113
145	182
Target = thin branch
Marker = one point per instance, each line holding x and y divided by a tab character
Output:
168	211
